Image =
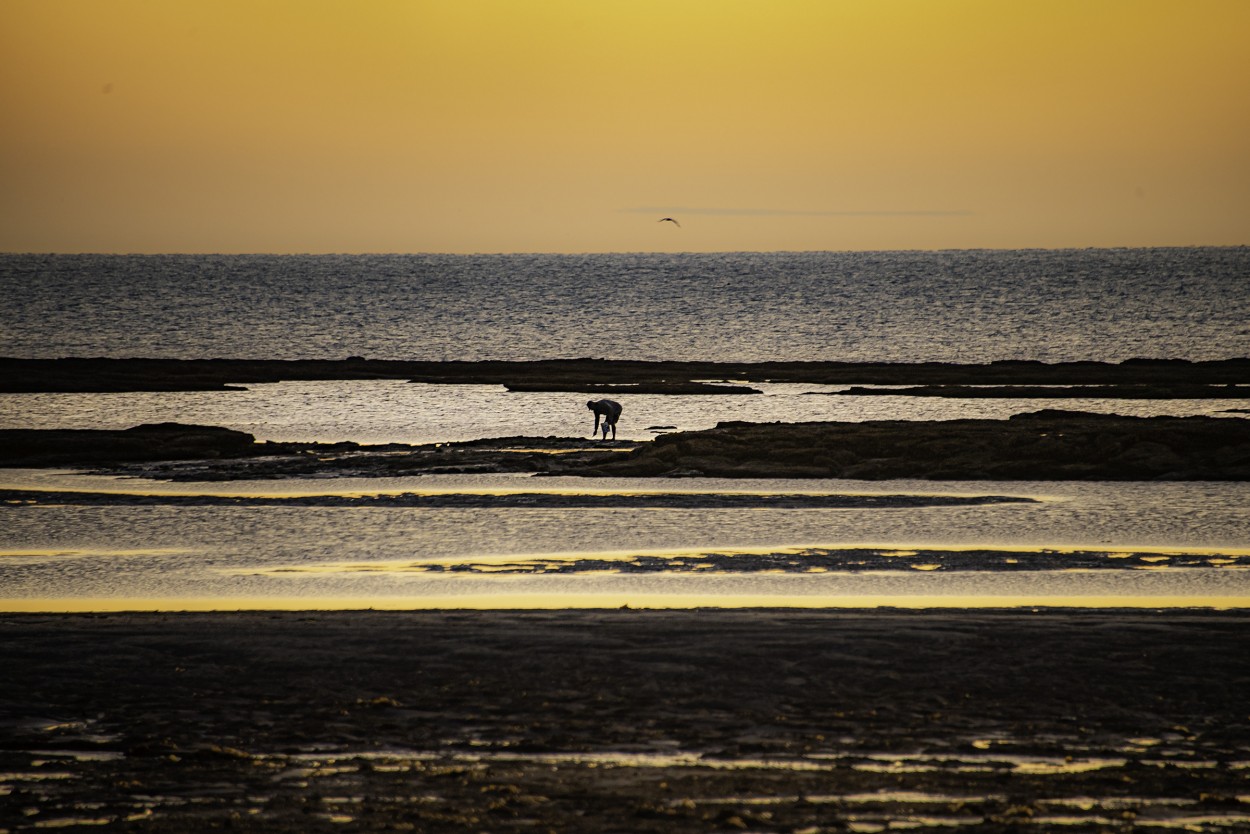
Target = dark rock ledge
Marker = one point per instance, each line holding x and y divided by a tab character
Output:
663	387
1162	391
1044	445
205	453
137	374
152	442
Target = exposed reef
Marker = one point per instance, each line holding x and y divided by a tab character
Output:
201	453
630	388
152	442
111	375
1044	445
1174	391
680	722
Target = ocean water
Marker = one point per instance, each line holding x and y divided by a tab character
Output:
969	306
1070	544
395	411
1095	544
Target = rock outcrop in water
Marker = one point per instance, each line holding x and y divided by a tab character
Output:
98	375
202	453
595	389
152	442
1045	445
1163	391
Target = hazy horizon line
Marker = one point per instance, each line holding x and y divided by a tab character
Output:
935	249
768	212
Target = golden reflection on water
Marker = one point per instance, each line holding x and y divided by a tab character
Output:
487	561
1158	553
67	480
615	600
37	554
500	559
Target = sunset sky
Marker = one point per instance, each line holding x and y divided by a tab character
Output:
574	125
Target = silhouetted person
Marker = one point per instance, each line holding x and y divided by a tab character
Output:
610	411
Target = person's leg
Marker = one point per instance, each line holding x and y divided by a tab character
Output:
615	415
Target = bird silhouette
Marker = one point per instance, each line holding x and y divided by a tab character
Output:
669	220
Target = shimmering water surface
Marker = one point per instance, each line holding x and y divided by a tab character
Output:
854	306
1087	544
1070	544
393	411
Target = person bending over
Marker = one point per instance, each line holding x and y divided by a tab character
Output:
610	411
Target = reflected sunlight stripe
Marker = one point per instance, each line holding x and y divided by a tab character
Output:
505	601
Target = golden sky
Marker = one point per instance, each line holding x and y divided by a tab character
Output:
574	125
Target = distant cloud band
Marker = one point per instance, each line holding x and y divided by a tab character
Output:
762	212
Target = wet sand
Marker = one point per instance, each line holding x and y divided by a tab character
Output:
703	720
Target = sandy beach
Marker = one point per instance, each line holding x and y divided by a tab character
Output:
629	720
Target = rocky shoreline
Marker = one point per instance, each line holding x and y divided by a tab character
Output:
1174	391
629	720
180	452
116	375
1044	445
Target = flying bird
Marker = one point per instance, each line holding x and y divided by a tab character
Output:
669	220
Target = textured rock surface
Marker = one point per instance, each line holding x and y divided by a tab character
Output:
630	388
1163	391
73	374
1045	445
625	721
159	441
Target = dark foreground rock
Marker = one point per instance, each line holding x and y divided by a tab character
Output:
625	721
98	375
1044	445
152	442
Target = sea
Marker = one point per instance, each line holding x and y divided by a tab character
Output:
331	544
965	306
